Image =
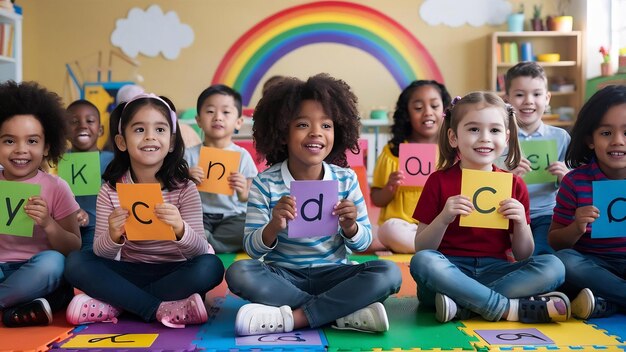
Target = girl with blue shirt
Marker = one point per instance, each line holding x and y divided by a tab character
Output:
303	129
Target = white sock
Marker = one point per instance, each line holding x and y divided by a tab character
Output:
513	310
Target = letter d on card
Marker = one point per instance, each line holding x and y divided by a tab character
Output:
314	204
610	198
142	224
486	189
13	197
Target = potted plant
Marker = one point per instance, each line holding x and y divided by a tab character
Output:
536	23
605	67
516	20
563	23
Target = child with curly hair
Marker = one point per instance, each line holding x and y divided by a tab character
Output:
417	118
32	128
303	130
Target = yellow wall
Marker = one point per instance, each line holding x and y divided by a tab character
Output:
57	32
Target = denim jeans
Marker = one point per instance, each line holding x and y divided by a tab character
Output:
540	226
40	276
325	293
140	288
481	284
604	275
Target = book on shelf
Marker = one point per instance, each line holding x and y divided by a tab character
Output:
6	39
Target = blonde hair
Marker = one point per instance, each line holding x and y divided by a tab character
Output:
455	113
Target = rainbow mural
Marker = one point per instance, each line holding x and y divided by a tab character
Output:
358	26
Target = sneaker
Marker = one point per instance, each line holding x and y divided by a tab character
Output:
177	314
34	313
445	308
84	309
588	306
372	318
546	308
255	319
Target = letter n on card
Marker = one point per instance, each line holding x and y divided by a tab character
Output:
486	189
314	204
13	197
417	161
142	224
217	165
82	172
540	153
610	198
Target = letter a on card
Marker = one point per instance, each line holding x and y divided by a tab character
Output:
314	204
142	224
417	161
486	189
217	165
82	172
609	196
13	197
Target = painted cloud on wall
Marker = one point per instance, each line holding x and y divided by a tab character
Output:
152	32
455	13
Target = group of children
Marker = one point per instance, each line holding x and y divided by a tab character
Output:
303	130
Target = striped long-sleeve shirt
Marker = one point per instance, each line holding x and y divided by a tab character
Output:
193	242
267	189
577	191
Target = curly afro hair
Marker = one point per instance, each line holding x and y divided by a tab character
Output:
281	104
29	98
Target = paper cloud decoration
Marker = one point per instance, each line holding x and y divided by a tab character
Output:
152	32
455	13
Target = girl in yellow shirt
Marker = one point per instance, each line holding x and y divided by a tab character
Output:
418	115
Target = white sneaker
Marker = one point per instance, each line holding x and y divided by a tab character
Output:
255	319
372	318
445	308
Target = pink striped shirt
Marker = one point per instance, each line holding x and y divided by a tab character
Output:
192	243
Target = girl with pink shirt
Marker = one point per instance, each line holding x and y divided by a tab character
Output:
32	122
155	280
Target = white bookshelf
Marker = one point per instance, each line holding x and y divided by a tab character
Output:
11	66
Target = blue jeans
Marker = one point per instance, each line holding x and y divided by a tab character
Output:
140	288
604	275
483	285
324	293
540	226
40	276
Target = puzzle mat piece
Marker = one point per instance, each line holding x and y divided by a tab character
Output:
362	258
167	338
408	330
35	338
613	325
409	287
219	333
550	349
227	258
569	334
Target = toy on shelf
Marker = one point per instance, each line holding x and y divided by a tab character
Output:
91	86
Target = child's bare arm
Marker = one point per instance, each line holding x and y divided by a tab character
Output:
561	236
429	236
522	242
238	182
383	196
63	234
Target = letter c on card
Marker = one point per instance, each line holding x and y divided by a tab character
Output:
475	200
146	222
